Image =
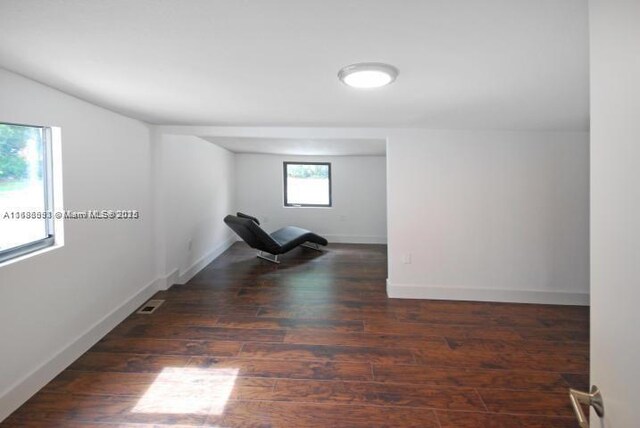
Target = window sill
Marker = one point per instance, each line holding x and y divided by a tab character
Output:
302	206
31	254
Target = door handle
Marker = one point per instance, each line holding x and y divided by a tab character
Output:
593	399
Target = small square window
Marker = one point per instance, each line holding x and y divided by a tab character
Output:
307	184
26	218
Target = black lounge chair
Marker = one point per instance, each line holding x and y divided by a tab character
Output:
279	242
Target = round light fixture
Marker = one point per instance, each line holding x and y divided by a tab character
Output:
367	75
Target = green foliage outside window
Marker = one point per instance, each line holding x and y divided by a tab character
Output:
13	140
308	171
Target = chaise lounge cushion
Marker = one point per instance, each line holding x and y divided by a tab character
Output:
291	236
253	234
243	215
279	242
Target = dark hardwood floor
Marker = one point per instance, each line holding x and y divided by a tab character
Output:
315	342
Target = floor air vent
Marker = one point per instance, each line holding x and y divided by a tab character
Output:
150	307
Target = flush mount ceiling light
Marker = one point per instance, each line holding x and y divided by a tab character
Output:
367	75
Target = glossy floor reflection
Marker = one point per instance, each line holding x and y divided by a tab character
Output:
315	342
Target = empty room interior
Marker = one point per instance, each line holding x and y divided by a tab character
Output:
326	213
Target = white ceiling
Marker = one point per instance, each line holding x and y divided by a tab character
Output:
295	146
490	64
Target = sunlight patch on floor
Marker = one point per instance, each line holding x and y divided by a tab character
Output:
188	390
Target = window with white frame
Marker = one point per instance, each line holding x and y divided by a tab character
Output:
26	191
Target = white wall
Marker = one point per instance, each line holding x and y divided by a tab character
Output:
197	191
49	303
358	186
615	208
489	216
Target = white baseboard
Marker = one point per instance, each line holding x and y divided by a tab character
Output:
415	291
355	239
205	260
15	395
165	282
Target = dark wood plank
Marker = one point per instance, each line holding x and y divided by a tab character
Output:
291	369
328	353
492	420
245	388
137	384
343	311
436	330
204	333
282	294
105	383
195	307
249	296
180	293
379	394
171	318
529	346
23	422
365	339
291	324
555	335
58	408
502	355
143	345
471	318
116	362
288	415
527	402
468	377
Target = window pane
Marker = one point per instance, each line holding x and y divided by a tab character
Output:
308	184
22	185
